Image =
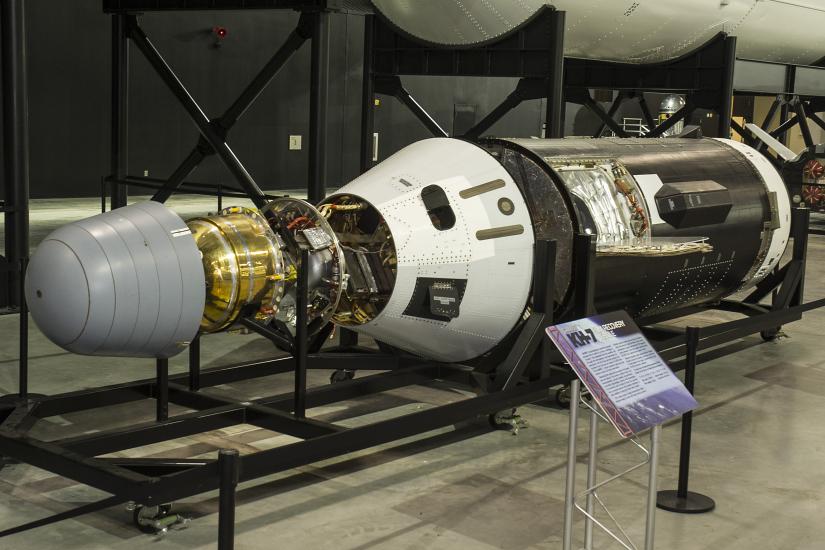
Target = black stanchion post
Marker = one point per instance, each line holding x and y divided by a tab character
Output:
301	336
681	500
229	472
162	389
195	363
24	333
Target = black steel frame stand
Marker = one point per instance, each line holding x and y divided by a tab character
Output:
705	76
312	26
681	500
534	53
15	206
154	481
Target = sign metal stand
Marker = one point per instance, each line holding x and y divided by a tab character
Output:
590	493
630	387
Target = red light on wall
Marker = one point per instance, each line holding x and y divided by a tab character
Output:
220	32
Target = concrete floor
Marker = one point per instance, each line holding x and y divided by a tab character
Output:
758	451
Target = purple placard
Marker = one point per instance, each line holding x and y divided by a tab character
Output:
622	371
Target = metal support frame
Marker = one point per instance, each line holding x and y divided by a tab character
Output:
318	98
120	111
790	87
704	76
312	26
155	481
230	117
614	107
388	55
554	109
725	109
15	205
213	136
583	97
392	86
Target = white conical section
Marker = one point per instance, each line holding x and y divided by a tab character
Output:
497	271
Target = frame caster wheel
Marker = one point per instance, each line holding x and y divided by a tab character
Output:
772	334
508	420
562	397
155	520
341	375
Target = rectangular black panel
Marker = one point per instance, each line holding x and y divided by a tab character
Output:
437	299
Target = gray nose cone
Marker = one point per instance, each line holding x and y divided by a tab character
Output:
124	283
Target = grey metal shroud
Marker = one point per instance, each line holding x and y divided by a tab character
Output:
128	283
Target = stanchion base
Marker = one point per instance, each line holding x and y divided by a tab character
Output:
693	503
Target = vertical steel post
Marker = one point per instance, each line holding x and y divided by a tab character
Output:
368	97
162	389
301	336
318	97
15	143
800	226
195	363
584	273
349	338
570	482
726	93
790	89
23	365
554	114
544	293
229	472
592	468
652	486
119	167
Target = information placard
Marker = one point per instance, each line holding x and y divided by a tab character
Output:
622	371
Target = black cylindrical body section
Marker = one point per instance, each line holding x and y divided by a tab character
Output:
705	191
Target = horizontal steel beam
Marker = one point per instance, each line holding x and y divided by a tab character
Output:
202	479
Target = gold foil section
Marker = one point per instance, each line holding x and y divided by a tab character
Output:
242	263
